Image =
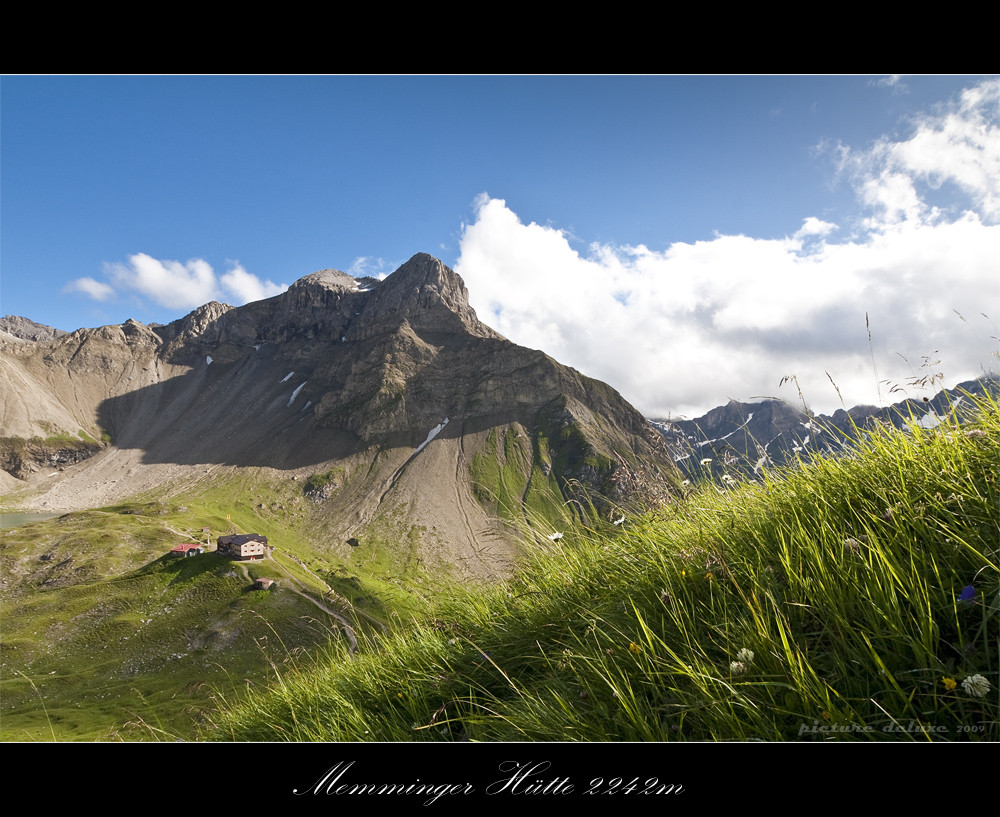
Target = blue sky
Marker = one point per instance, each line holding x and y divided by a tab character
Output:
688	239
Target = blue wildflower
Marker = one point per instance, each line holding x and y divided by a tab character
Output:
967	594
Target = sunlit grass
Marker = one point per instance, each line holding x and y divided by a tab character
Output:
828	602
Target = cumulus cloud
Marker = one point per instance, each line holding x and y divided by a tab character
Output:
88	286
957	149
245	287
168	283
681	330
177	285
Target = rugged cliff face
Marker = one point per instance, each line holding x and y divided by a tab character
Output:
389	398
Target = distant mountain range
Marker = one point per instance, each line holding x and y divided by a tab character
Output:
742	438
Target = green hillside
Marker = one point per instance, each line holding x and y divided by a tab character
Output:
106	635
848	599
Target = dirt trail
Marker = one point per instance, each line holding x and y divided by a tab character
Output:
296	587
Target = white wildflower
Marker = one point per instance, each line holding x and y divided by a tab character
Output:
737	667
745	656
976	686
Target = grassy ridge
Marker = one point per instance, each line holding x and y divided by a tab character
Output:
849	599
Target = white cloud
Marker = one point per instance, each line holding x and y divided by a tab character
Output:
246	287
814	226
177	285
957	148
893	81
683	329
88	286
169	283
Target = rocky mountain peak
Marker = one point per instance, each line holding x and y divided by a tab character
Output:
329	306
203	325
198	322
327	279
430	296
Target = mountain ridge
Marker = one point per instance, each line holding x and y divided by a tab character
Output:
742	437
337	376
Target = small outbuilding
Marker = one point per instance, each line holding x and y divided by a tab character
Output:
187	549
264	584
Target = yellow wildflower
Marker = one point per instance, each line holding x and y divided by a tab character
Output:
949	683
634	648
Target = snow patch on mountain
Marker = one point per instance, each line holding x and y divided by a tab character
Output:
296	393
431	435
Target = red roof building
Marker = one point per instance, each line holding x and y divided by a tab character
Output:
187	549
